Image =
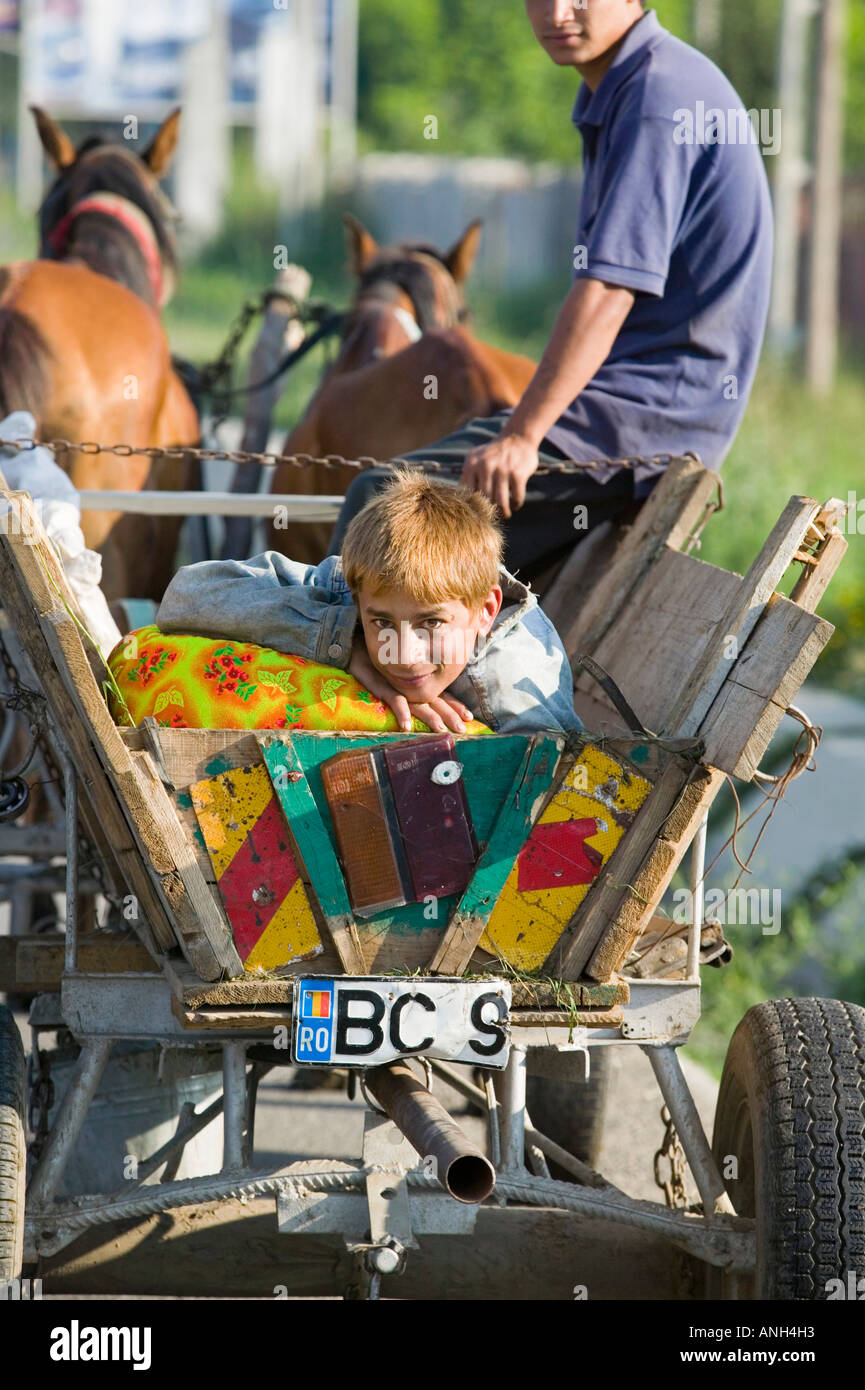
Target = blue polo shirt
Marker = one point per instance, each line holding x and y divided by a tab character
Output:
675	206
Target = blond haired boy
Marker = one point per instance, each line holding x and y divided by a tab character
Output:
418	608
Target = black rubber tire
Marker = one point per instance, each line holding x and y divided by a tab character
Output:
572	1112
791	1108
13	1150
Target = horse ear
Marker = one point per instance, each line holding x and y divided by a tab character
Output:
461	257
55	142
159	152
362	246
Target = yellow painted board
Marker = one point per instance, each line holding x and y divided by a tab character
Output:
256	871
568	846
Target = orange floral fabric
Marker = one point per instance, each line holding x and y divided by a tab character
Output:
189	682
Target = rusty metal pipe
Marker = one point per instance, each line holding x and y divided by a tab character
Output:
467	1173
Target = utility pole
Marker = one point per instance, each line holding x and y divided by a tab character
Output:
706	22
202	165
28	160
824	251
791	169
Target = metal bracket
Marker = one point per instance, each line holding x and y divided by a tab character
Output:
385	1148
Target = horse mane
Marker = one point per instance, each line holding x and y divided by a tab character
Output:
414	277
114	172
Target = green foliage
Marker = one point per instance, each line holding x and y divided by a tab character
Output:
480	71
817	951
476	68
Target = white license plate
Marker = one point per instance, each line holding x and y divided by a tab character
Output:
362	1021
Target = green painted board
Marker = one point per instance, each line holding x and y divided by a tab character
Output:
516	812
307	826
491	764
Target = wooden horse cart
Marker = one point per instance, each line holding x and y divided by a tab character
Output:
233	934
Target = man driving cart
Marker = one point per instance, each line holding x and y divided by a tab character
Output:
656	345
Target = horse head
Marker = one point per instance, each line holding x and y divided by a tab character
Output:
106	208
405	290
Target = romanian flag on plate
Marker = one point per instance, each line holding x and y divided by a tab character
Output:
317	1003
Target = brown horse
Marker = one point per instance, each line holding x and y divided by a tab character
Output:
408	372
82	347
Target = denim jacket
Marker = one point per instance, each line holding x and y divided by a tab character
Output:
518	680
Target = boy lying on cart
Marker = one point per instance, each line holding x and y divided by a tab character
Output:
418	608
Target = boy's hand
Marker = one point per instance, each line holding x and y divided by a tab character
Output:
441	714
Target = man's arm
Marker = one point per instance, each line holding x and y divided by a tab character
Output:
585	330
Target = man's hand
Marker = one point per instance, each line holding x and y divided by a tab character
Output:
501	470
441	714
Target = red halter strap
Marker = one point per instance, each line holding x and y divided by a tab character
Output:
130	217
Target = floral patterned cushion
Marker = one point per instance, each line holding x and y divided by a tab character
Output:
189	682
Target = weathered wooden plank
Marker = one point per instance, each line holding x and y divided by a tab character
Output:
150	817
255	868
37	962
666	518
591	556
813	582
740	616
650	879
204	928
652	647
751	703
575	835
314	846
518	813
557	1018
261	1019
98	791
610	891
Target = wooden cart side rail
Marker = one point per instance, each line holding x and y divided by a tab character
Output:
583	607
78	706
627	895
750	649
105	807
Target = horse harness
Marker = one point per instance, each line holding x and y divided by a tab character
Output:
413	276
134	220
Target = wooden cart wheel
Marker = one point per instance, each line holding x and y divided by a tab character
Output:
13	1153
572	1112
789	1139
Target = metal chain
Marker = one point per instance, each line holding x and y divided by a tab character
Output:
222	366
271	460
673	1187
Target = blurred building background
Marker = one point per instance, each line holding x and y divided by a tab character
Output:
460	115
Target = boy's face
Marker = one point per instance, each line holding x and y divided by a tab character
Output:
420	649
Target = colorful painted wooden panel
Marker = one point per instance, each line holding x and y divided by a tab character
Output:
490	765
249	848
562	857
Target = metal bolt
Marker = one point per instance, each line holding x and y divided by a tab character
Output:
385	1260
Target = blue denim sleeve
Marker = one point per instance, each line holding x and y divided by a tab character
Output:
268	600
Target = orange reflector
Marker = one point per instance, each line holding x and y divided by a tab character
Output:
365	839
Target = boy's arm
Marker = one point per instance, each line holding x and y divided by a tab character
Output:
268	600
